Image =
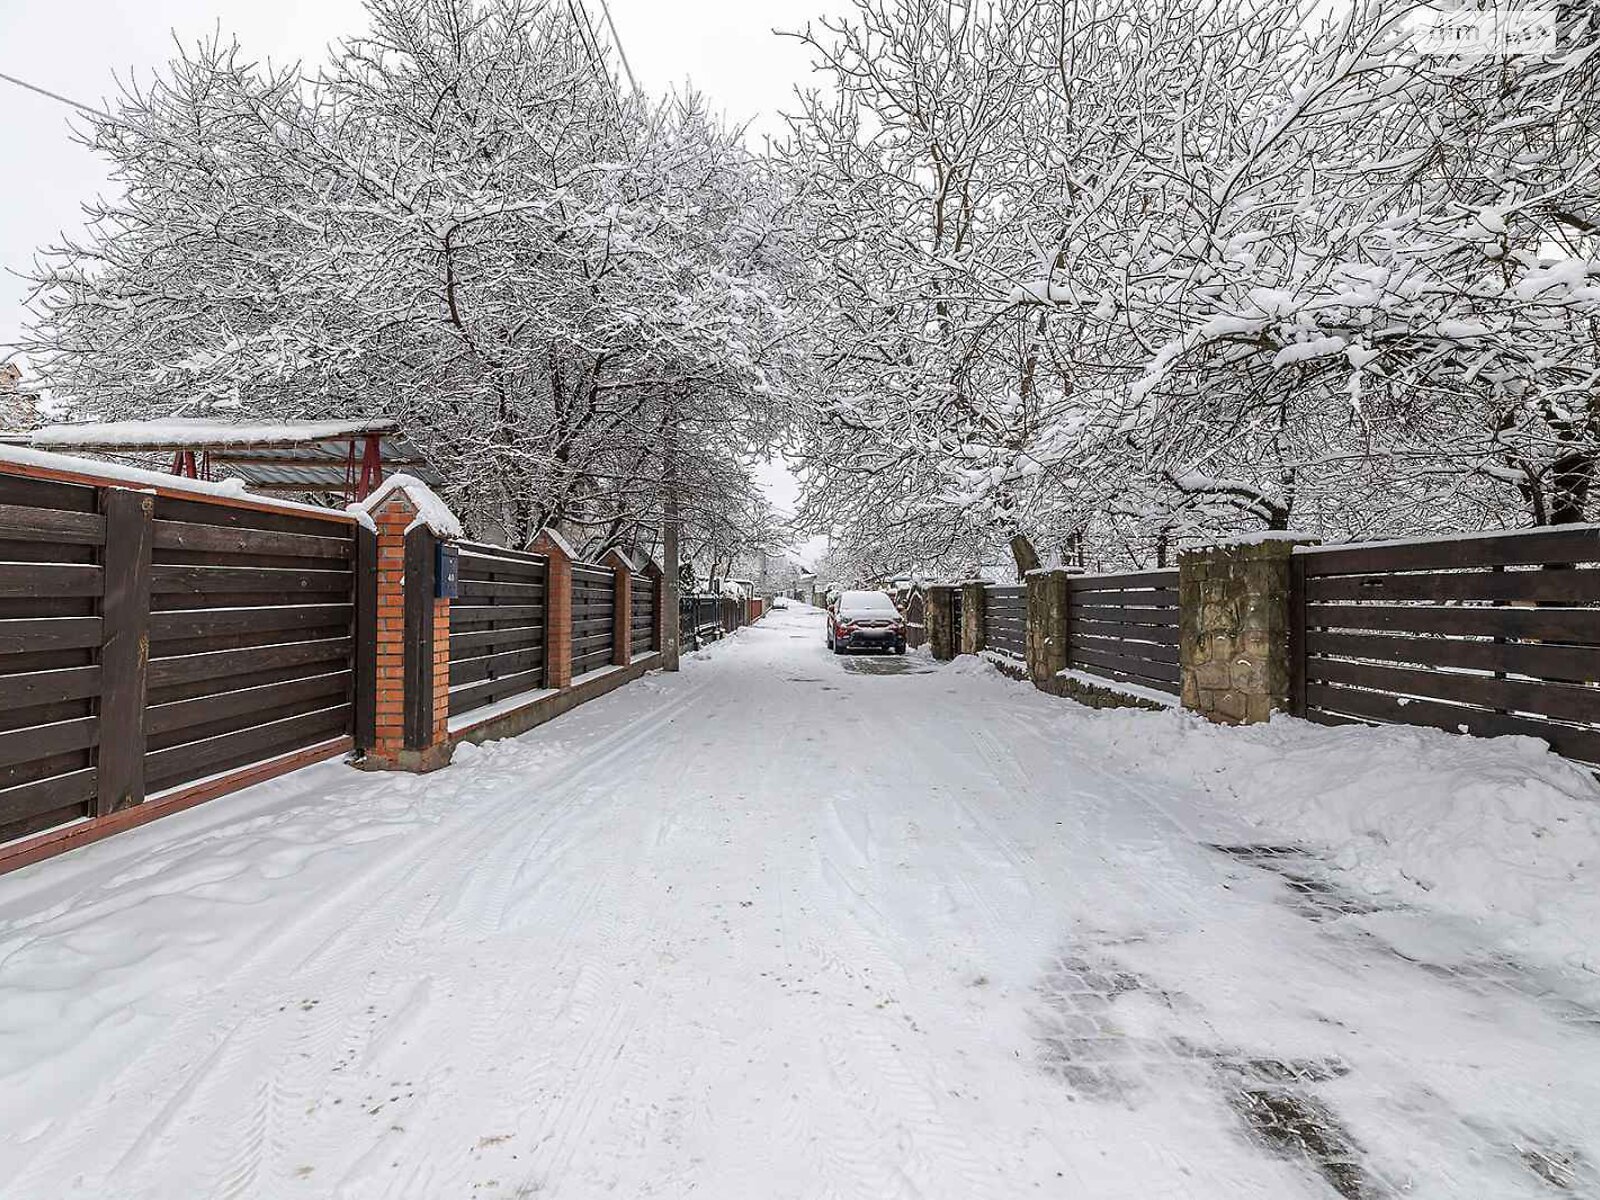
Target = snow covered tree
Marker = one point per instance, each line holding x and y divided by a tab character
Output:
1114	276
460	222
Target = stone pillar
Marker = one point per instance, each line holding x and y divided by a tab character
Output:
412	711
557	607
939	611
622	599
971	617
1049	611
1234	621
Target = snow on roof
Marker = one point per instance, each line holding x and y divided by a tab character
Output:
92	470
432	512
185	433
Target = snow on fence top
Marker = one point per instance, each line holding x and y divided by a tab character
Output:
432	512
182	433
94	470
1474	535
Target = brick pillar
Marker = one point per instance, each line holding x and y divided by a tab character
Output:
940	614
622	617
971	617
1234	622
557	607
389	733
441	673
1048	613
412	709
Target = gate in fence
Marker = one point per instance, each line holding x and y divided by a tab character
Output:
916	619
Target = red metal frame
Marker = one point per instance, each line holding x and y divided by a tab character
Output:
371	465
358	488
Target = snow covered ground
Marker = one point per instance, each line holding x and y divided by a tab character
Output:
787	925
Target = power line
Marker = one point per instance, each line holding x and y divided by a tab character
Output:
591	50
34	87
616	40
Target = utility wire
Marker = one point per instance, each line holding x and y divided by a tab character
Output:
591	50
34	87
616	40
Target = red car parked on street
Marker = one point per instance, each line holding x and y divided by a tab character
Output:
862	620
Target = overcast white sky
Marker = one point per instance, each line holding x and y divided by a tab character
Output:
78	47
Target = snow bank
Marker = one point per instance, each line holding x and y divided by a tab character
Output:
432	512
1499	830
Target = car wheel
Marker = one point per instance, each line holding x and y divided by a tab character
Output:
900	648
838	647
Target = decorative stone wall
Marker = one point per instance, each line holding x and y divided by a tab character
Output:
940	616
1233	637
1048	611
971	617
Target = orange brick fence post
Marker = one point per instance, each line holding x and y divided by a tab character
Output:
622	617
411	674
557	607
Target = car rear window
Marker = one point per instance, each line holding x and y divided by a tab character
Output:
867	604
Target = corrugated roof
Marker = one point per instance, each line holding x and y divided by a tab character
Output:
280	456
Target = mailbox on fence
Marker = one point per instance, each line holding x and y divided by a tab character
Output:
447	576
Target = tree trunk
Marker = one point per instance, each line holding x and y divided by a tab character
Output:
1027	558
669	542
1571	477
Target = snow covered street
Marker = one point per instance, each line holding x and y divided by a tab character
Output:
783	925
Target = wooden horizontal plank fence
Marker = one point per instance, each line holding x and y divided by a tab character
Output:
1495	634
642	620
594	614
148	641
497	626
1125	627
1005	611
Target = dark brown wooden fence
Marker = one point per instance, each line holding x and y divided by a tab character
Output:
1494	634
497	626
1005	612
642	620
699	619
149	641
1125	627
594	607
